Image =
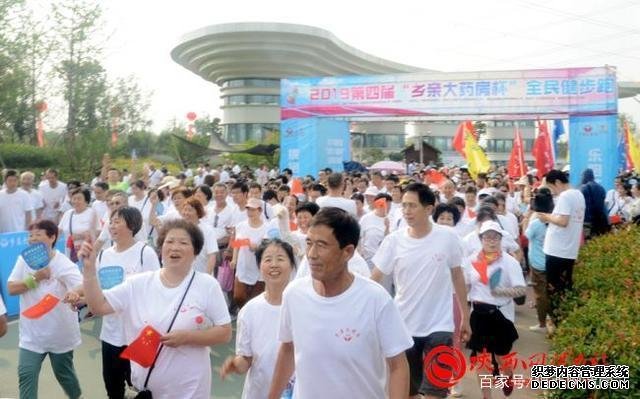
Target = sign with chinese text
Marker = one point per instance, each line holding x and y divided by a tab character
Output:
593	144
576	91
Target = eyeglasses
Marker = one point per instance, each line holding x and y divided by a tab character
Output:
491	237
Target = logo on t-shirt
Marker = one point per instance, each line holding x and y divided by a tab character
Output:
347	334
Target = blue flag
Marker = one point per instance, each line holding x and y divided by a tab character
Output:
558	130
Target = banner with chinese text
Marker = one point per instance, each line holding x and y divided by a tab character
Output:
576	91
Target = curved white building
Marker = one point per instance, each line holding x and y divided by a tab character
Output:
247	61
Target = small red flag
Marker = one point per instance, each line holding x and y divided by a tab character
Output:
241	242
296	187
41	308
380	203
143	349
432	176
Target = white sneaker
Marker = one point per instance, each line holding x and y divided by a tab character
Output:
538	328
551	327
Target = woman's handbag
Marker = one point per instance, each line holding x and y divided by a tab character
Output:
225	276
146	393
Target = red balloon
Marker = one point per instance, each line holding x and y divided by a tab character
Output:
191	116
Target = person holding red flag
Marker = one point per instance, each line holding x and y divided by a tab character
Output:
55	330
493	279
171	316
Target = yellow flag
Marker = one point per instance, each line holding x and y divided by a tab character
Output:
477	161
634	148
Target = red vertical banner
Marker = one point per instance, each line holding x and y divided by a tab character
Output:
41	107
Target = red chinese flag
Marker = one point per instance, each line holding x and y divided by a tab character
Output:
296	187
41	308
432	176
542	151
241	242
144	348
380	203
516	166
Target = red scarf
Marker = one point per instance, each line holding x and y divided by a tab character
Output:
482	264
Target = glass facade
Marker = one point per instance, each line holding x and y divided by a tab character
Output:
254	99
381	141
252	82
238	133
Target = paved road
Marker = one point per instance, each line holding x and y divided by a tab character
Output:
88	366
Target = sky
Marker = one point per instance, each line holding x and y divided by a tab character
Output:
461	35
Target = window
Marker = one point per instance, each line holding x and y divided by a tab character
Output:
384	140
252	99
238	133
252	82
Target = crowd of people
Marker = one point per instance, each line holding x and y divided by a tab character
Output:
340	282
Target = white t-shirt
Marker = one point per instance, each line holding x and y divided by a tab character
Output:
57	331
421	270
564	242
53	199
220	220
155	177
185	371
356	265
345	204
37	202
101	208
371	234
257	337
210	247
13	210
511	276
509	222
112	328
247	270
87	221
3	309
471	243
341	343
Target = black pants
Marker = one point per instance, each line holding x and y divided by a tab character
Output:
115	371
559	280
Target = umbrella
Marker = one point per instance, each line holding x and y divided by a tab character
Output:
388	165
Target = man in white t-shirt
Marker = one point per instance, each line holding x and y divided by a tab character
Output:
334	195
15	205
54	193
425	262
37	202
562	241
344	331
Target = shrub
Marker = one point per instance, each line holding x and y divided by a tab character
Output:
24	156
601	315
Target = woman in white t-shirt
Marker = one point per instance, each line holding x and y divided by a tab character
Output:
57	332
258	322
248	283
3	318
125	258
152	299
193	212
493	279
79	223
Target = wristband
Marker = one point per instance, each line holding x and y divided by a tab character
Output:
30	282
